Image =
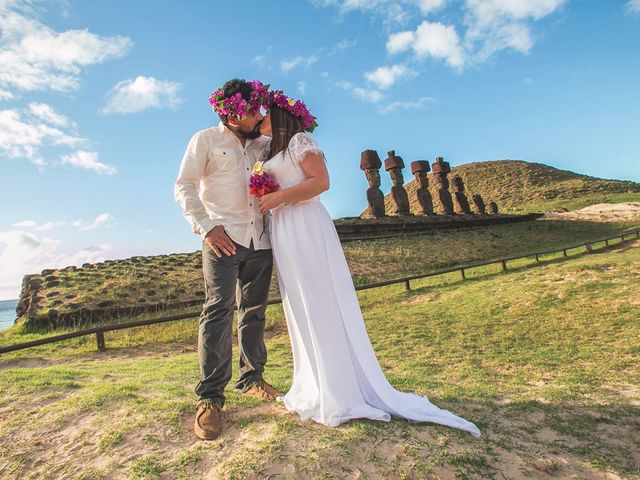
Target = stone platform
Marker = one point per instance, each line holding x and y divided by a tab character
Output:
350	228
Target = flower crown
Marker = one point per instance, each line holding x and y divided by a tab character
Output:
261	96
297	108
235	104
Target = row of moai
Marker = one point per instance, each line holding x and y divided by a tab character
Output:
447	204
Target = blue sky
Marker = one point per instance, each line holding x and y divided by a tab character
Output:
99	99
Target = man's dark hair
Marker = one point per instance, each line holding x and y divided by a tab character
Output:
234	86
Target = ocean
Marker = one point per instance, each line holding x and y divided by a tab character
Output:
7	313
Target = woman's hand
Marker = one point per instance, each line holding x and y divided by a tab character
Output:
269	201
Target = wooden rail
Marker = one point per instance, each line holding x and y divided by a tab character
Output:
99	331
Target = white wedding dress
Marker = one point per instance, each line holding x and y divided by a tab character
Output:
336	375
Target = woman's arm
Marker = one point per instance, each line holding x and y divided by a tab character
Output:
317	181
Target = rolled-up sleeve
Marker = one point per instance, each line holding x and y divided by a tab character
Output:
187	187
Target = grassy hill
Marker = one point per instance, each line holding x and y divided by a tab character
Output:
95	292
518	186
544	360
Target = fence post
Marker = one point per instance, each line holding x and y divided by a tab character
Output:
587	245
622	237
100	340
564	252
537	258
504	265
462	273
407	286
606	242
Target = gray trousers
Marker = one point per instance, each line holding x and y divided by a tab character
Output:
241	279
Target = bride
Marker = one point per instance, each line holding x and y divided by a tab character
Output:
336	375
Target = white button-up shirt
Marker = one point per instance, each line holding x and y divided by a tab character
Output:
213	185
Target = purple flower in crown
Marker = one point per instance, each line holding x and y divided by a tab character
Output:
236	105
297	108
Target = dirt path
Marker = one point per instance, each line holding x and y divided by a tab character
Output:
601	212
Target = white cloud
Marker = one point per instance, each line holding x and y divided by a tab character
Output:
25	133
633	6
495	25
87	161
435	39
24	224
490	12
491	26
341	46
100	220
430	6
302	87
260	60
385	77
40	228
23	253
23	138
391	12
400	41
370	95
299	61
34	57
488	26
48	114
49	226
141	93
418	104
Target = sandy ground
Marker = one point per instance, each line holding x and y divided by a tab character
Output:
601	212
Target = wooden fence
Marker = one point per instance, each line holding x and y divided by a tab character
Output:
100	330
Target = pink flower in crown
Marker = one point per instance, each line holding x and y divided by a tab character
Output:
236	105
258	95
296	108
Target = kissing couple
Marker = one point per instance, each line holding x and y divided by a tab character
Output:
260	160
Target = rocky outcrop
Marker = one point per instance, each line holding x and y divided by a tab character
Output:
29	296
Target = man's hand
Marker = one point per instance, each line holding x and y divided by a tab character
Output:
219	241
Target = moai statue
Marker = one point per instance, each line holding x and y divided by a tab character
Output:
492	208
478	203
440	169
419	169
370	163
394	165
461	203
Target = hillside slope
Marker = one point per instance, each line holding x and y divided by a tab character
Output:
519	186
75	296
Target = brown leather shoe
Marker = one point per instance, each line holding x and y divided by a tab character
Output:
264	391
208	423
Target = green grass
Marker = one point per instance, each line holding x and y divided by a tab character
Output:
178	277
544	360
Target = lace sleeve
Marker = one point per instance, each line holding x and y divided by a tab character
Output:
301	144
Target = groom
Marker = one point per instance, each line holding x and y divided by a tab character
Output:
213	190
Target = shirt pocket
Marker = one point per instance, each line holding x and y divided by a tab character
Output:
222	162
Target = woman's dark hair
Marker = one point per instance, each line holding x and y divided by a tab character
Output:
283	127
233	86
